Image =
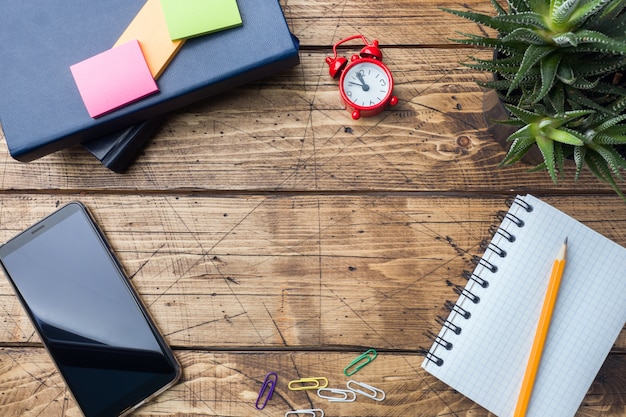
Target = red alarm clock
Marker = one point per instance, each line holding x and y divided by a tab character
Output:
365	83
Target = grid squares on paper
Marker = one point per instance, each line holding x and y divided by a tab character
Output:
113	78
489	357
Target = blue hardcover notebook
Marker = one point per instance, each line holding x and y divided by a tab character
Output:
41	110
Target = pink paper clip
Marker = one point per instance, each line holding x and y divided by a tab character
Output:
267	390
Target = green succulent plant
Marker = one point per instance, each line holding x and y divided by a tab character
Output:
558	68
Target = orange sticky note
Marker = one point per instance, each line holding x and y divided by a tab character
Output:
113	79
150	29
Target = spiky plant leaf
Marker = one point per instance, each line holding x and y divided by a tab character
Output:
610	158
562	12
546	146
563	136
584	84
602	67
558	157
530	20
482	19
523	114
586	9
579	158
602	43
597	166
518	149
525	35
548	74
499	9
566	39
521	6
606	139
555	100
610	123
532	56
610	12
566	74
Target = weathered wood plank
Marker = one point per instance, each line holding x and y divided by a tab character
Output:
289	133
292	271
404	22
227	384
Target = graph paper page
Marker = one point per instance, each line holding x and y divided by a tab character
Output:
488	357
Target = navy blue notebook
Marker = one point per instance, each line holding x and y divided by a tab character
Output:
40	107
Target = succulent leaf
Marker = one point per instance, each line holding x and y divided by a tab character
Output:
523	114
562	12
563	136
482	19
566	74
579	160
525	35
532	56
549	66
523	20
585	10
499	9
561	73
606	139
518	149
546	146
602	43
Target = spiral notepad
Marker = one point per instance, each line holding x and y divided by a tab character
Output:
484	344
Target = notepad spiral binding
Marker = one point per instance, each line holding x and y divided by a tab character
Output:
479	279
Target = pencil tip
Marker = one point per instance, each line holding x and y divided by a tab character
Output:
565	242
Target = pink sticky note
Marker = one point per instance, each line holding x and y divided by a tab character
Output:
113	79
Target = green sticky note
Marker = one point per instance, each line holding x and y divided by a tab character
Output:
189	18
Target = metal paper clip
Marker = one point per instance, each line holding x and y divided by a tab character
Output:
308	383
315	412
360	362
267	390
337	395
372	392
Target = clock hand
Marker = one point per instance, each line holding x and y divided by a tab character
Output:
364	86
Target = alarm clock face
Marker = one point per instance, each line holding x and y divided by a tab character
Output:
366	83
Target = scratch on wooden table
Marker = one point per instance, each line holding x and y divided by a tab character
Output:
280	333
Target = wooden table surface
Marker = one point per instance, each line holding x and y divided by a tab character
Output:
267	231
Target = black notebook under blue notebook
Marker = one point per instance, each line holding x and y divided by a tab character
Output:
41	110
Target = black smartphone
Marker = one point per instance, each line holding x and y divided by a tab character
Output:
92	322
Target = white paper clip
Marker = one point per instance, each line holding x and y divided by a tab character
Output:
314	412
337	395
371	392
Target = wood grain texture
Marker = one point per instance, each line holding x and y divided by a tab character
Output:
266	230
227	384
289	133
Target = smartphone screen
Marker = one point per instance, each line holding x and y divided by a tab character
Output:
87	314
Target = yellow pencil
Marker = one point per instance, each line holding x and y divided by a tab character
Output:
541	334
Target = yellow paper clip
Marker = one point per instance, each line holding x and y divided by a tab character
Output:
308	383
360	362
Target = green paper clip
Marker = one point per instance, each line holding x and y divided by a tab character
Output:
360	362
